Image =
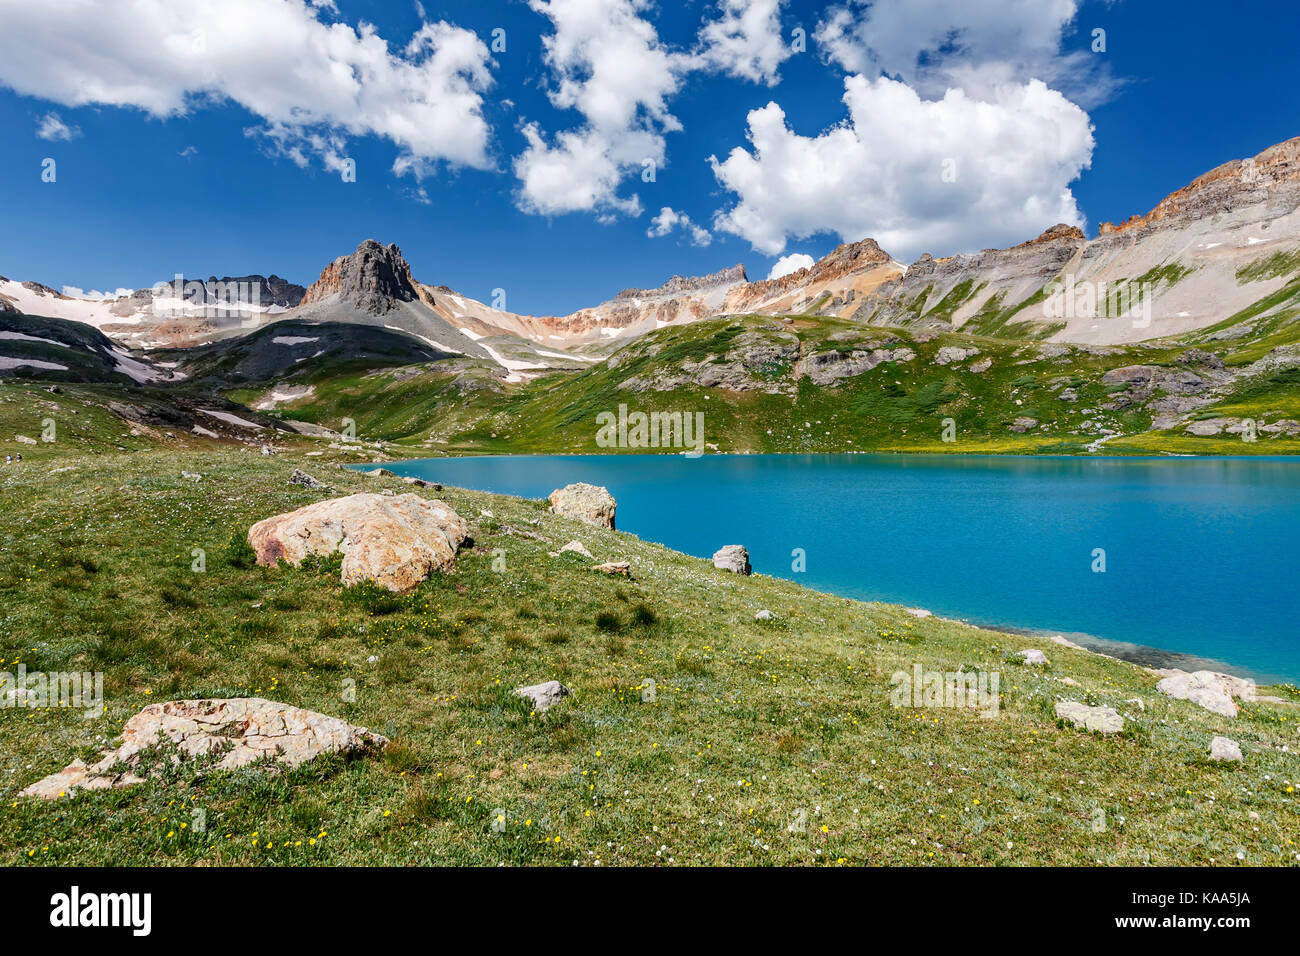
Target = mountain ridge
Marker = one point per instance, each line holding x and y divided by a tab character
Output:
1189	248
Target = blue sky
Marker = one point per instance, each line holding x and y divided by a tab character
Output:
204	146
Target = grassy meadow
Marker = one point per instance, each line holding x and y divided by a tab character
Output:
758	743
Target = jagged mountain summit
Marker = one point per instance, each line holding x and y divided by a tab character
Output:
1198	258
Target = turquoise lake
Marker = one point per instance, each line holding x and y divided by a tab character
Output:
1201	555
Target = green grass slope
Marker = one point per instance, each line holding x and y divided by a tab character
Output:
765	743
751	378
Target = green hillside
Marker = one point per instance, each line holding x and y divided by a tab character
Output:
763	743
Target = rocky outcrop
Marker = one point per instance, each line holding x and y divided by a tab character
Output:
396	541
754	362
590	504
231	733
733	558
827	368
374	279
1101	720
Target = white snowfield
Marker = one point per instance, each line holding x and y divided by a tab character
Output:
426	340
31	363
230	419
24	337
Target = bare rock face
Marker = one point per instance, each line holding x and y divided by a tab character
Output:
395	541
732	557
590	504
374	279
235	731
1214	692
1102	720
827	368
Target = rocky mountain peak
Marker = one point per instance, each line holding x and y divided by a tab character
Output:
1059	231
851	256
679	284
1234	184
374	278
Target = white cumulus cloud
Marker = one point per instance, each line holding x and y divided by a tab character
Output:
791	263
670	219
312	83
974	45
918	175
53	128
607	64
746	41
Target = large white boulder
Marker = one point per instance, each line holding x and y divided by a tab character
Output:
395	541
732	557
1214	692
591	504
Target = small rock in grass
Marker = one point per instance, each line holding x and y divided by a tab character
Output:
1103	720
1034	656
544	696
919	612
765	615
1224	748
577	548
421	483
379	473
300	477
614	567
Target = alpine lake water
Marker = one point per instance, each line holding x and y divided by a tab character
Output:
1185	562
